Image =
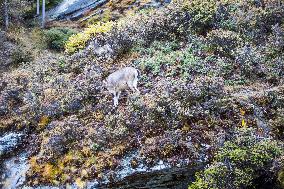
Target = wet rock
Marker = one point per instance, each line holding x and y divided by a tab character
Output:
81	13
73	9
14	171
155	4
10	142
76	9
175	178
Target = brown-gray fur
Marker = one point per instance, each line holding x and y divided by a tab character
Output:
121	80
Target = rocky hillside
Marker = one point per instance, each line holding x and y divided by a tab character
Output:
210	113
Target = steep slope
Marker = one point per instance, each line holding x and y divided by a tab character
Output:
211	93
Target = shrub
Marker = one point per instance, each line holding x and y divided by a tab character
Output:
79	41
280	176
61	136
250	61
202	14
223	42
21	56
278	124
255	20
57	37
242	160
276	41
143	27
167	60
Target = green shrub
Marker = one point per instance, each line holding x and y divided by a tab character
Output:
280	178
57	37
202	14
242	160
29	14
166	59
52	3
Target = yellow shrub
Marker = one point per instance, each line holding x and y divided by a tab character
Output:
79	41
44	120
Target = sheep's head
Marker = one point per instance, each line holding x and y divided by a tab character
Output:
108	86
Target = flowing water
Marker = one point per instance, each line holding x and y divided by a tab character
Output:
73	9
13	165
15	170
9	142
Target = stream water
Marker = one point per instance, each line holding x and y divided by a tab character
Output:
15	170
13	164
73	9
76	9
9	142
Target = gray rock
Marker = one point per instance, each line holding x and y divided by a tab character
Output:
10	142
177	178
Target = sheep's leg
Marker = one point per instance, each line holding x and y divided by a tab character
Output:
135	85
115	99
118	94
115	102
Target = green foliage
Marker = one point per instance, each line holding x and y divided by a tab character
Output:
250	61
29	14
96	147
57	37
281	177
167	59
202	14
104	17
241	160
225	66
51	3
256	21
275	46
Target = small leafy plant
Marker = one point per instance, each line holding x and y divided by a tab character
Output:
240	161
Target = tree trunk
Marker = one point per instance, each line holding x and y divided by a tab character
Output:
6	14
43	14
37	7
